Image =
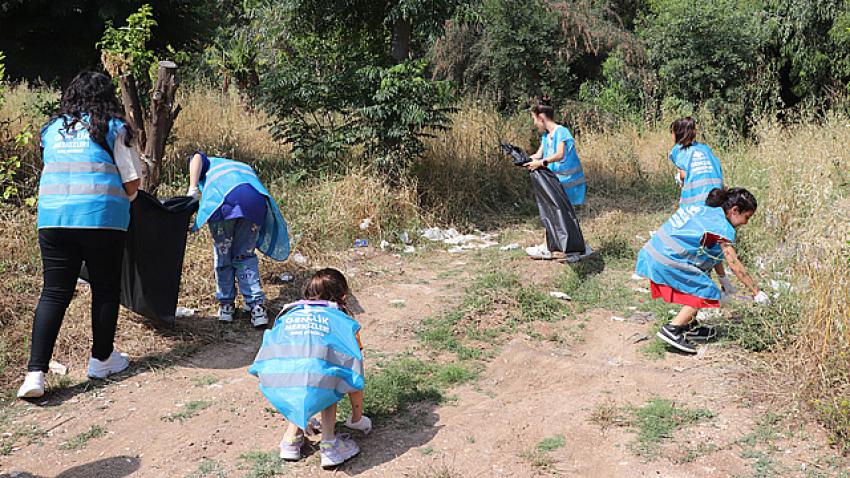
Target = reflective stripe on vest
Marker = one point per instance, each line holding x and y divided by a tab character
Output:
81	189
280	380
311	351
80	185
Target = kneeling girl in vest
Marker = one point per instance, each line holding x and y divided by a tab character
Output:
679	257
308	361
698	172
242	217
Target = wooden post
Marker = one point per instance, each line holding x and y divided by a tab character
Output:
133	109
163	113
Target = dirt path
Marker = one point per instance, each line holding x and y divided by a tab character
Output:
530	390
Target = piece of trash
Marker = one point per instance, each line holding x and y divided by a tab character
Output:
638	338
559	295
397	302
57	368
365	224
299	259
361	243
642	290
287	277
616	318
780	285
640	238
456	250
82	281
409	249
404	237
184	312
510	247
636	277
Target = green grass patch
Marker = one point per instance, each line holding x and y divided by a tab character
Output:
261	464
208	469
396	384
656	421
17	434
190	410
204	380
538	459
81	440
552	443
655	349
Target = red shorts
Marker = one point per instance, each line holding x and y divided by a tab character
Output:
674	296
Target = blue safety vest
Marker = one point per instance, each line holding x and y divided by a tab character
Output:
80	185
676	158
221	178
675	256
702	173
569	170
309	360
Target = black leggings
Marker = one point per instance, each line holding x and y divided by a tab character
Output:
63	252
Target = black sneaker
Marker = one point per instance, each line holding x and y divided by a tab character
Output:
698	332
675	337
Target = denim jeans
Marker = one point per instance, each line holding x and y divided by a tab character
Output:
234	242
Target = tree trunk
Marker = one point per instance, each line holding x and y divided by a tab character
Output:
401	40
162	116
133	109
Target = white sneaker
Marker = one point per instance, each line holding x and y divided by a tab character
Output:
539	252
117	362
291	450
259	318
364	425
33	386
226	312
338	451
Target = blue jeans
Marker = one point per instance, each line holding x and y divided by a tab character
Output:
234	241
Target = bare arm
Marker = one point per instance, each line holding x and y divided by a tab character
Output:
132	187
195	166
539	153
559	155
738	268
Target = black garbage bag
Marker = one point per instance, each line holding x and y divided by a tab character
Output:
153	255
563	232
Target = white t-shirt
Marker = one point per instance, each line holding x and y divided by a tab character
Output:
126	159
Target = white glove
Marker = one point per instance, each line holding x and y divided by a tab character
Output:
194	192
364	425
678	178
726	284
762	298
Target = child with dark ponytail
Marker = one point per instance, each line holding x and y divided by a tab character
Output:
679	257
309	360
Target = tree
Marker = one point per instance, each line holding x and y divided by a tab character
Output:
147	87
338	80
706	55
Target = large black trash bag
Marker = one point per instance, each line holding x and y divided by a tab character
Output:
153	255
563	232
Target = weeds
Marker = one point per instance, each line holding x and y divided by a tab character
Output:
204	381
656	421
81	440
552	443
261	464
606	414
190	410
208	469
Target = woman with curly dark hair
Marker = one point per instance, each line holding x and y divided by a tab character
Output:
90	176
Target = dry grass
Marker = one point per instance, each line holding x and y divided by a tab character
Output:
800	175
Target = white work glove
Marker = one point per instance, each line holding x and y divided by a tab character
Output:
727	286
194	192
762	298
364	425
679	181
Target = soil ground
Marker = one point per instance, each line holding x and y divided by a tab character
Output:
579	386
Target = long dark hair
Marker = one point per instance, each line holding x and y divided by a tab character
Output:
729	198
93	94
544	107
330	285
685	131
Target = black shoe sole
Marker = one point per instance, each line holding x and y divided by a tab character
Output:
675	344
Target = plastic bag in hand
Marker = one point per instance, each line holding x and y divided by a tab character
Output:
518	156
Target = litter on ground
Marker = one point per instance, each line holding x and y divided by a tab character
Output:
510	247
184	312
559	295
